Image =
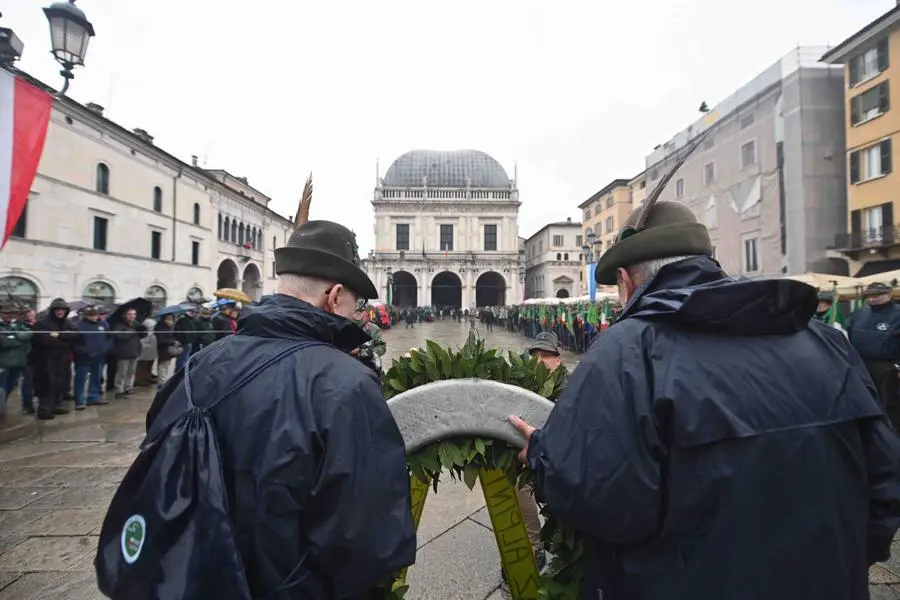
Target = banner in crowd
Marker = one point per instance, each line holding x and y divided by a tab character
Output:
24	116
591	268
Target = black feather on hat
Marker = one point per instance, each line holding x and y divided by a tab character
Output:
656	230
323	249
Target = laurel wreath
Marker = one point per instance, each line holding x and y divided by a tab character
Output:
463	458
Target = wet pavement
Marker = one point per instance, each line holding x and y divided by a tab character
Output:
55	487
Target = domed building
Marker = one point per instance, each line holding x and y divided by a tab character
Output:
446	231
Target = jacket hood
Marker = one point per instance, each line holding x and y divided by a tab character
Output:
695	293
281	316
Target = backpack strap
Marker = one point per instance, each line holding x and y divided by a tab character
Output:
247	378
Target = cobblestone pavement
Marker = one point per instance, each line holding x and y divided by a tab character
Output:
55	487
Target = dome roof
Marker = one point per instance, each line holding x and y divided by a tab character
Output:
446	169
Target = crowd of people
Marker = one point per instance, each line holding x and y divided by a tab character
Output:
717	429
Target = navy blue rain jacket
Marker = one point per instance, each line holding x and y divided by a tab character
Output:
716	443
875	332
312	457
94	342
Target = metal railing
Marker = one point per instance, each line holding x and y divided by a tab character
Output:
871	237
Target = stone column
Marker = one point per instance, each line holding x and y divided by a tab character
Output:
423	298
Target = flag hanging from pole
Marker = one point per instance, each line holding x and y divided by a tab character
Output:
24	116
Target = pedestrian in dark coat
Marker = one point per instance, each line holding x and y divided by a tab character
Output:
127	334
875	333
716	442
90	349
167	348
52	344
225	321
206	333
313	462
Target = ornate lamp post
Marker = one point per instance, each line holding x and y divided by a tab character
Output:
70	33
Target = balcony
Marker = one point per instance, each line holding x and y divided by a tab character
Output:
872	240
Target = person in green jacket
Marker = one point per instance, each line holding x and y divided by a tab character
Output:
371	352
15	344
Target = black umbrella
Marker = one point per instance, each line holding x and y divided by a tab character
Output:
141	306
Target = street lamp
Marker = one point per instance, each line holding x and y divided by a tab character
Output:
590	257
70	32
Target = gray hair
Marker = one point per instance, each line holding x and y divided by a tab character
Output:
303	287
643	271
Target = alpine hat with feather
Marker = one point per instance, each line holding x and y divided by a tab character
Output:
323	249
656	230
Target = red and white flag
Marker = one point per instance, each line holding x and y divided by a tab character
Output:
24	116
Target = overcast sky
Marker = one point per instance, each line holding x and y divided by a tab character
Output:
576	93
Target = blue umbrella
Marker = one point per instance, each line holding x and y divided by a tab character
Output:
175	309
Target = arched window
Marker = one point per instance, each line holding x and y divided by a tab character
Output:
274	241
234	231
103	178
196	213
241	234
99	292
253	238
157	296
566	256
20	290
220	227
558	256
227	235
259	244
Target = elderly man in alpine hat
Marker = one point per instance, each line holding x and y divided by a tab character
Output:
716	442
313	462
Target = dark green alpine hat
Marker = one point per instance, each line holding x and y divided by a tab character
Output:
656	230
670	229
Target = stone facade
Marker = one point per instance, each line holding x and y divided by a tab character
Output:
111	216
446	231
553	261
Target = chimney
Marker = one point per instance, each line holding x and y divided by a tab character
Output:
98	110
244	179
142	133
569	219
194	156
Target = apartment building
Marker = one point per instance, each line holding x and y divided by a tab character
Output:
638	187
553	261
768	181
602	216
870	59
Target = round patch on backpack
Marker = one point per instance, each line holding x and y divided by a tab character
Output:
133	535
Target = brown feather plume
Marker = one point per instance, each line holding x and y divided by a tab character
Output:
654	195
305	200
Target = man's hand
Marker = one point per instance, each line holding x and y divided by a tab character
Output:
54	334
354	352
525	430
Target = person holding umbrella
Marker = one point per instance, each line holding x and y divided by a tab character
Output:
225	321
127	332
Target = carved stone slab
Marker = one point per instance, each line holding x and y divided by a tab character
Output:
465	408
